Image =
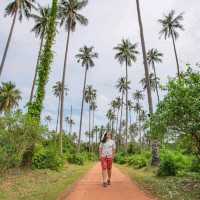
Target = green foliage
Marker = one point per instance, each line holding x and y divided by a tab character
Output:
46	59
47	157
133	148
138	161
18	133
179	111
121	158
195	167
76	158
172	162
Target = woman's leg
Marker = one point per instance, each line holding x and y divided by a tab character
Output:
104	169
104	175
109	169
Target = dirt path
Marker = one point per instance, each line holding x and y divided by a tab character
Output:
89	188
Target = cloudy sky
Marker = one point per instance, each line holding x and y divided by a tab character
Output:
109	22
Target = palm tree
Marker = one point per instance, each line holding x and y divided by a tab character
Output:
138	108
153	82
67	121
130	107
133	129
41	21
138	95
71	124
21	7
154	56
170	26
93	107
117	107
126	53
96	130
48	119
111	117
9	97
144	58
57	88
85	56
122	86
90	96
69	16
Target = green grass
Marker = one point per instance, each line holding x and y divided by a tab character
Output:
168	188
41	184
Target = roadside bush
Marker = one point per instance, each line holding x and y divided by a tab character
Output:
138	161
76	158
195	166
172	162
18	133
133	148
47	158
120	158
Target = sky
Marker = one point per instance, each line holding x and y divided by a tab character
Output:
109	22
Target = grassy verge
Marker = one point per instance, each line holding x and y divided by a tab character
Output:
40	184
178	188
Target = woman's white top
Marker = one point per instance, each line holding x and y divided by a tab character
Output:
107	148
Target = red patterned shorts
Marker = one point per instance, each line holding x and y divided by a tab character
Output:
106	163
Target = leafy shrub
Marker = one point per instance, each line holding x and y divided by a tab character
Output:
18	133
195	166
172	162
133	148
76	158
47	158
120	158
138	161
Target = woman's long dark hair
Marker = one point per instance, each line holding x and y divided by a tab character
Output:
105	137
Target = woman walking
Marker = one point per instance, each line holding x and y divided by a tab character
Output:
106	153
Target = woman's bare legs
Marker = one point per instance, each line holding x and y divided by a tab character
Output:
104	175
109	171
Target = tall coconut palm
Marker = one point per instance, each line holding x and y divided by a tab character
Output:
130	107
57	89
71	124
67	121
69	17
93	107
9	97
170	26
86	57
154	56
154	82
138	108
126	53
48	119
133	129
114	106
22	8
144	58
117	107
111	117
90	96
122	86
41	21
96	130
138	96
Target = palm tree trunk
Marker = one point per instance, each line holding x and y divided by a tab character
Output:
92	128
58	113
176	55
154	69
8	41
120	121
145	59
89	129
81	118
63	89
126	142
36	70
117	120
130	121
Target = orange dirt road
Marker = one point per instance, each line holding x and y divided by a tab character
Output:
90	188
